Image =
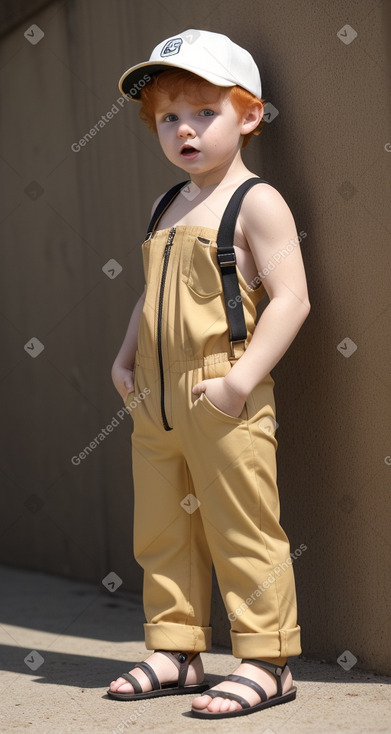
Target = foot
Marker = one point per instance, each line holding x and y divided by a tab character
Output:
165	670
262	677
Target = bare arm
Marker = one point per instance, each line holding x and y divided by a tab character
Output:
269	227
122	369
125	356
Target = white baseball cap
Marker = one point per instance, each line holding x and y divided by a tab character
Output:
212	56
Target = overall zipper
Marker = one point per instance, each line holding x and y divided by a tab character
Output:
166	257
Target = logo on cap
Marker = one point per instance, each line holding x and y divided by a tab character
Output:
172	47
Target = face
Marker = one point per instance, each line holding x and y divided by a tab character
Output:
200	137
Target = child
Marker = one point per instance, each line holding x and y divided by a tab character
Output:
203	447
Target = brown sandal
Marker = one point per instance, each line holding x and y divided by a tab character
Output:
265	702
173	688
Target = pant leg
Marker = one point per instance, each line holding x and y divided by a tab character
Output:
169	537
233	466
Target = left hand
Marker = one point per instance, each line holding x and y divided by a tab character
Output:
222	395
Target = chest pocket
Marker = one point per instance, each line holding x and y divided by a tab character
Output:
200	269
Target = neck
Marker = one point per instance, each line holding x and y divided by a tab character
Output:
226	174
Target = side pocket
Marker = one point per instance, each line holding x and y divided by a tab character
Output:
132	393
129	397
219	414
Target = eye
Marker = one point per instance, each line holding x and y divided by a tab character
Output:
207	113
170	117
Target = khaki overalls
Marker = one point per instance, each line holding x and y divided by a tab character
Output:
204	482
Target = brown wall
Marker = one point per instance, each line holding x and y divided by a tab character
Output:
65	214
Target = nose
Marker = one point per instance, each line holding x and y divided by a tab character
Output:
185	130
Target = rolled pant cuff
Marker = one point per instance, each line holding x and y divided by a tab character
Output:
278	644
171	636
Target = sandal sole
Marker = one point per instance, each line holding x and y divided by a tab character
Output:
273	701
167	689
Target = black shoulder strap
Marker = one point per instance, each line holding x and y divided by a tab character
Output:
163	204
225	252
227	261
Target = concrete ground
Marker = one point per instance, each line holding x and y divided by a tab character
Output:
62	641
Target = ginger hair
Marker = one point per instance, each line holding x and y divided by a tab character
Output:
176	81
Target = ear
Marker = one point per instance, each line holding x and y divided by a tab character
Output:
251	119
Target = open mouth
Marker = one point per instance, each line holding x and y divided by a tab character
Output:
188	150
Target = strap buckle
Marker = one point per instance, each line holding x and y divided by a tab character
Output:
226	258
238	348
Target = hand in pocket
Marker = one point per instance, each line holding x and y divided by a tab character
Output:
123	380
222	395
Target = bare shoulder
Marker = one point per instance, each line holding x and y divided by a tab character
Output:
271	235
264	211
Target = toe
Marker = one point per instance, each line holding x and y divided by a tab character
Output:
216	704
119	685
213	704
201	702
219	704
224	704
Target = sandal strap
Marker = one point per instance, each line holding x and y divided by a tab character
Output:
248	682
150	673
136	685
275	670
224	694
182	664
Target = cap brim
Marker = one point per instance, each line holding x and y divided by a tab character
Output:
133	80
